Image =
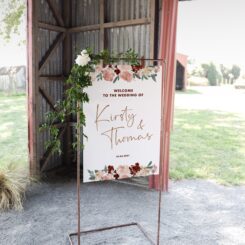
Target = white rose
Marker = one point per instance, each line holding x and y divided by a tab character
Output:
84	52
83	59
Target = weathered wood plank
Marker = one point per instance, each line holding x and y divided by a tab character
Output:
152	27
47	97
50	27
53	77
56	13
33	107
57	125
46	156
72	124
84	28
67	64
51	51
102	29
142	21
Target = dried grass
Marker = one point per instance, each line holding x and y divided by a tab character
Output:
13	184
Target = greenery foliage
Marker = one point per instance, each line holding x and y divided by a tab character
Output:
235	71
78	80
215	75
230	75
12	12
225	73
211	73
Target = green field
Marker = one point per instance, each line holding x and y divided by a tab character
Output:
204	144
209	145
13	130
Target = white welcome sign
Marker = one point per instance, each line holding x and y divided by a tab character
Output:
123	120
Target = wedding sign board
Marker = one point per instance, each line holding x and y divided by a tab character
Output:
123	120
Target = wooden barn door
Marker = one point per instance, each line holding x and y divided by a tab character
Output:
55	36
48	65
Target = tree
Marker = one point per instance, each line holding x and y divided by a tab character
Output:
211	73
11	16
235	71
225	73
229	75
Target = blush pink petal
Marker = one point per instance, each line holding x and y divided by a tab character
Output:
123	171
124	67
108	74
108	177
126	76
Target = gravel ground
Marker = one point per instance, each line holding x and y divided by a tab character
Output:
194	212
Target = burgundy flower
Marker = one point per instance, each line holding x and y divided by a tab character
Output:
132	171
116	175
135	69
110	169
117	71
135	168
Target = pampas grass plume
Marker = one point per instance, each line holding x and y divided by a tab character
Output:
13	184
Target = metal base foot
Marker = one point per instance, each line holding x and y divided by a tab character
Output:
110	228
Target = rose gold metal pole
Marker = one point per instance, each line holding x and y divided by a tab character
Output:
78	171
79	160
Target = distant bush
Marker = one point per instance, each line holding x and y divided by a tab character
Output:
211	73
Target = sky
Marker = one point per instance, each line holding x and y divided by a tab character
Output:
208	30
212	30
11	53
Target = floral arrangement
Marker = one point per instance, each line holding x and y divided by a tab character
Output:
81	77
122	172
113	73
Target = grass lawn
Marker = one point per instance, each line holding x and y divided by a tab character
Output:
208	144
204	144
13	130
187	91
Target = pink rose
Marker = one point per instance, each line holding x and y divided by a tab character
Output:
124	67
108	74
108	177
126	76
123	171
